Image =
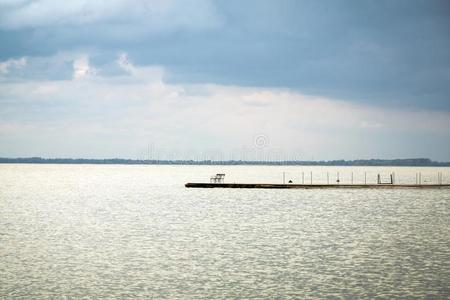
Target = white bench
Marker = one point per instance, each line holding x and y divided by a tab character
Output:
218	178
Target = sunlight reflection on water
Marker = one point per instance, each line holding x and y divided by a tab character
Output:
133	231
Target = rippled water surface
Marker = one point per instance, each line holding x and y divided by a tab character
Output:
135	231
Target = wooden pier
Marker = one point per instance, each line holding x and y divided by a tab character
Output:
313	186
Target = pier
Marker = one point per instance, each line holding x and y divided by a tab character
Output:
313	186
382	182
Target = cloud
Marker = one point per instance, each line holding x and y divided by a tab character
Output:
365	124
81	68
104	116
393	54
152	15
7	66
125	64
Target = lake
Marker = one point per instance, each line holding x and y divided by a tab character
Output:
118	231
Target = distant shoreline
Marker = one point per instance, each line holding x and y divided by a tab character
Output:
410	162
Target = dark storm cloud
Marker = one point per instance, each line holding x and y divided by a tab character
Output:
379	52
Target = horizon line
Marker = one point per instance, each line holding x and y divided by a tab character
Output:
335	162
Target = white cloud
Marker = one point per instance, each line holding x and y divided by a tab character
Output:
118	115
9	3
6	66
124	63
151	15
81	68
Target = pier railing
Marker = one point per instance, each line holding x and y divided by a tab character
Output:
363	177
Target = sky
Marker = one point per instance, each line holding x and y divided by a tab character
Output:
204	79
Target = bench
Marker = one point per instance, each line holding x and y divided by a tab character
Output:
218	178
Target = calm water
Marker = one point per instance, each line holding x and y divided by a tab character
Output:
135	231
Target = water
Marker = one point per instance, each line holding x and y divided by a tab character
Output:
134	231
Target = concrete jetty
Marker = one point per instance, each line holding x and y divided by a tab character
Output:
313	186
